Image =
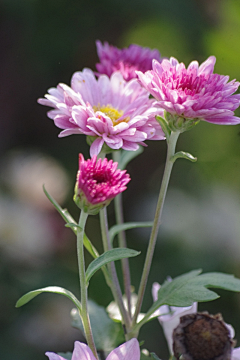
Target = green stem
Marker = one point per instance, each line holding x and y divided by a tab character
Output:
116	289
122	242
151	246
83	287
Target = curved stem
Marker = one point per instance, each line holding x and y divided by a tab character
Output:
122	242
83	287
151	246
116	290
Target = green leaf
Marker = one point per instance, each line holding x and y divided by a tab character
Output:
52	289
126	226
154	356
164	126
72	224
192	287
108	256
126	156
107	333
183	155
67	356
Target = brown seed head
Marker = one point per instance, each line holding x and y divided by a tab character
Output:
202	336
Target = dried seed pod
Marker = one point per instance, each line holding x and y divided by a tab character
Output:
202	336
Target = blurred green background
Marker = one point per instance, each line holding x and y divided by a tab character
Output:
42	43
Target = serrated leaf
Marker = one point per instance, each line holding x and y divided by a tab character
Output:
72	224
107	333
193	287
164	126
67	355
126	226
108	256
126	156
183	155
52	289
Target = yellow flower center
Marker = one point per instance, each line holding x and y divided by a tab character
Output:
111	112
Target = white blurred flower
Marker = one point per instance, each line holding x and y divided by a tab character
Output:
25	173
114	312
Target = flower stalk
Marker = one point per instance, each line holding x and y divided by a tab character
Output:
157	219
116	289
83	286
123	243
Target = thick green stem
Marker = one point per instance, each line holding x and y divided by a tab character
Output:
116	289
123	242
151	246
83	286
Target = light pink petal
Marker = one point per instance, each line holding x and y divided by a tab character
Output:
208	66
128	351
236	354
82	352
130	146
96	147
53	356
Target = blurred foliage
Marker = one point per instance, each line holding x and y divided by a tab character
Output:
42	43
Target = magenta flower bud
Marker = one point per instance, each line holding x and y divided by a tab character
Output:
192	94
126	60
98	182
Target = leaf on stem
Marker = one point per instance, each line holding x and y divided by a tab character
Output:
108	256
72	224
183	155
164	126
192	287
52	289
126	226
126	156
107	333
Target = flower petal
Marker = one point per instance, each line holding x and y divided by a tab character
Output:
128	351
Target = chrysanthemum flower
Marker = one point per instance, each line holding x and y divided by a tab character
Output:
128	351
126	60
194	93
98	182
169	316
109	111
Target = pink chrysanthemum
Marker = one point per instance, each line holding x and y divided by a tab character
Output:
98	182
128	351
126	60
108	110
193	93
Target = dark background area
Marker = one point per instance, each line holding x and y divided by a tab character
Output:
43	43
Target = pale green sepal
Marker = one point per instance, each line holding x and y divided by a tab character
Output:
69	220
108	256
183	155
52	289
107	333
126	226
127	156
164	126
67	356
